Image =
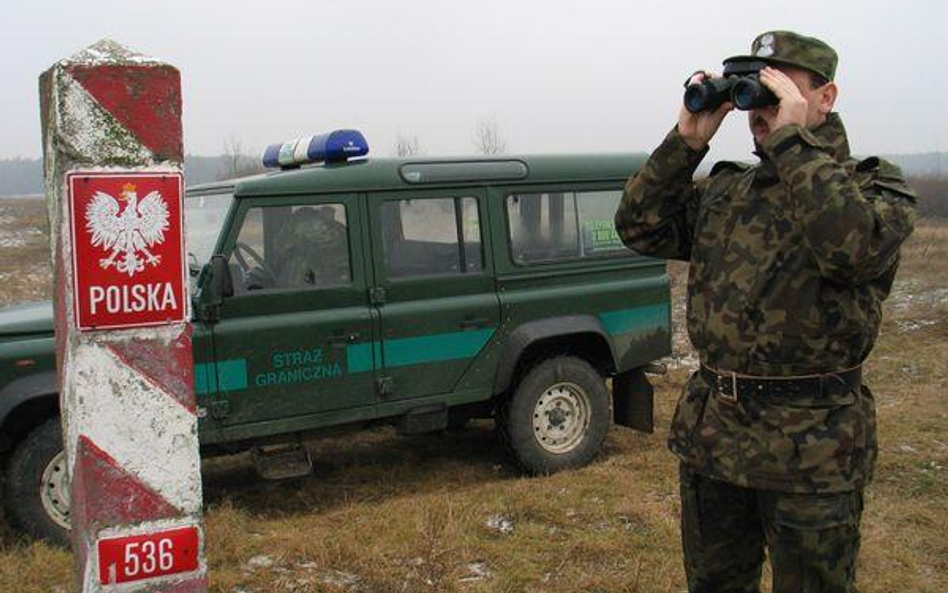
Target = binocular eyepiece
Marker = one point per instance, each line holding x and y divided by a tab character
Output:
740	84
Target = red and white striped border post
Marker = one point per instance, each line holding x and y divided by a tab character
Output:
126	395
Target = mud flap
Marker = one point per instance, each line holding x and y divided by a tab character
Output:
633	401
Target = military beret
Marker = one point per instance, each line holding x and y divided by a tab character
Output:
792	49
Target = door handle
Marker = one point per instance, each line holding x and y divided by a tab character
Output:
340	340
474	323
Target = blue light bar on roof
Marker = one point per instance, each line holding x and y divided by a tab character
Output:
334	147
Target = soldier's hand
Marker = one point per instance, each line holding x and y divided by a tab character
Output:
697	129
793	105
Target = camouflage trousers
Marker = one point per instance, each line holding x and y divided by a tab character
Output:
812	539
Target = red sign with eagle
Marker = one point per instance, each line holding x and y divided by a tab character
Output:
129	268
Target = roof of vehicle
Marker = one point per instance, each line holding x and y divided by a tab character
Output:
381	174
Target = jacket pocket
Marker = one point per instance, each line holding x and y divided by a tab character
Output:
866	446
689	413
823	443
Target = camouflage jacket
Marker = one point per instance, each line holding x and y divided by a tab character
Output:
312	250
790	262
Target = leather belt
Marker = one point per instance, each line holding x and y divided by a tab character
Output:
732	386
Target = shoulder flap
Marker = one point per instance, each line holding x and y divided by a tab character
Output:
734	166
885	175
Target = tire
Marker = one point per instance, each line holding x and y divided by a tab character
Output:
558	416
36	493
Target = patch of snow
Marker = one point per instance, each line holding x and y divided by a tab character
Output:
907	325
259	561
339	578
500	523
108	51
631	524
910	293
476	571
687	360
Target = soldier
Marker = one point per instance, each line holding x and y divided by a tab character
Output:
791	259
312	249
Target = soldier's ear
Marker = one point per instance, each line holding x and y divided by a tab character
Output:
828	94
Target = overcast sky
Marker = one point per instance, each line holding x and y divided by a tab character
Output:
558	76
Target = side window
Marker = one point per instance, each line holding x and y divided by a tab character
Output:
431	236
545	227
542	227
292	247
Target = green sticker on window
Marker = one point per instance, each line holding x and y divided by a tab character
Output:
601	235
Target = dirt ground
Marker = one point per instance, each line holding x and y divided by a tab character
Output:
447	513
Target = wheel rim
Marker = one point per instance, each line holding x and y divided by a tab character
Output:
54	490
561	417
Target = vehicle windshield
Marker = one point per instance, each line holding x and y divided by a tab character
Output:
203	218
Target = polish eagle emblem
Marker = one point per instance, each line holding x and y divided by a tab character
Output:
128	234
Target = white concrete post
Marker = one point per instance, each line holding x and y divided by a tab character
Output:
113	155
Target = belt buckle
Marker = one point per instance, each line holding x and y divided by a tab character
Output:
728	399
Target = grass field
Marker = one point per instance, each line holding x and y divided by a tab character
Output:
443	513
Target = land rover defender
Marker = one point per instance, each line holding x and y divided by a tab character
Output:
416	292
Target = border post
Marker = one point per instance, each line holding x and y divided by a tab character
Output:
113	157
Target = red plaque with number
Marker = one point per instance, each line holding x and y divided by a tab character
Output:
137	557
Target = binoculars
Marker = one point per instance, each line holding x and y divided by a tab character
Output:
740	84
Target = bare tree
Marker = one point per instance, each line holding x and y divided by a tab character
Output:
487	138
406	145
237	161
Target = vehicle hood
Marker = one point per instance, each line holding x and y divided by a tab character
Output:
27	319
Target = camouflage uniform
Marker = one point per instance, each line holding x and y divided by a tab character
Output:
790	261
313	249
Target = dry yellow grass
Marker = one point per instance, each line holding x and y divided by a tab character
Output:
25	273
384	513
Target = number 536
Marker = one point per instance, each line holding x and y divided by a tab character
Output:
148	557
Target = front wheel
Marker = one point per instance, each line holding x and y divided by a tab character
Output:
36	493
558	416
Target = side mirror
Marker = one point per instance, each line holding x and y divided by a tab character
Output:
220	285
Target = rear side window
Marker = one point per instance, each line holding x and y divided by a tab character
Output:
557	226
431	236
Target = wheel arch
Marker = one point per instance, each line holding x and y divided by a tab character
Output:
25	403
582	336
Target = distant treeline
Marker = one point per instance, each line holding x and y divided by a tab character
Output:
932	195
23	177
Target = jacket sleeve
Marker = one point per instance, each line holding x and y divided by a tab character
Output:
853	230
657	213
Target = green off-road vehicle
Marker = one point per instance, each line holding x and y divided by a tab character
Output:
414	292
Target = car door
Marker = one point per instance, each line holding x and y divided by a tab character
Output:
433	290
296	337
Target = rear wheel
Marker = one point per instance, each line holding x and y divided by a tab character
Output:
36	493
558	416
